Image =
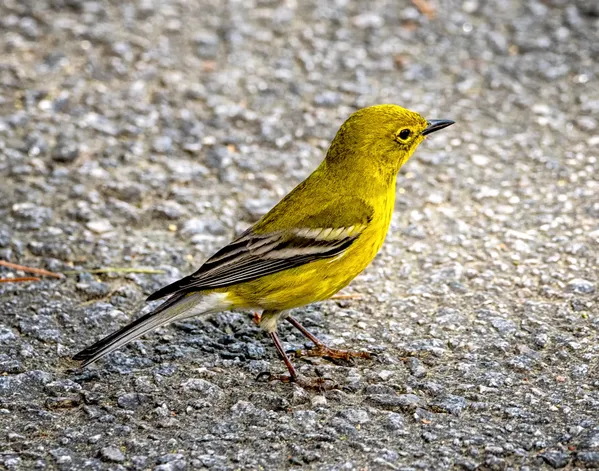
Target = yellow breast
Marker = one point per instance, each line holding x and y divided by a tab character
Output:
319	280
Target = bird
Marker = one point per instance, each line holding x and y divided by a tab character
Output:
309	246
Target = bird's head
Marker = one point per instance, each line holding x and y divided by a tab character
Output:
380	139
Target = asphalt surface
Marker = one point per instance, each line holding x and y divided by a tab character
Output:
149	133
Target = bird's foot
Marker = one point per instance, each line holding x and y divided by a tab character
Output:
327	352
267	376
320	383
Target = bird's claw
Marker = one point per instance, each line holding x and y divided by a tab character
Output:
326	352
267	376
320	383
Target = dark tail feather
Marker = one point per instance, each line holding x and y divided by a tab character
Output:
168	289
163	314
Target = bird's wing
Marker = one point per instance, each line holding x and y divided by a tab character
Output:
258	253
253	255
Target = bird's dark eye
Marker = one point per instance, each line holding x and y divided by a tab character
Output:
404	134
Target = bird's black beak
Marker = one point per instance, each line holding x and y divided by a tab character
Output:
436	124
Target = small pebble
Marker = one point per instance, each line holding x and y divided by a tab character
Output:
318	401
112	454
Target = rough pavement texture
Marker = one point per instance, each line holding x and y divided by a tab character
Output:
148	133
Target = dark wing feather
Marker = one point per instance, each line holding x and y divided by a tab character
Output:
252	256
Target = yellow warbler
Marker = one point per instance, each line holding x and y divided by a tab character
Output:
310	245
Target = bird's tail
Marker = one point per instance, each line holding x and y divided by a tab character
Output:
178	306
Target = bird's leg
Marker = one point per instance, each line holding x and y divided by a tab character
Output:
268	321
311	383
320	349
292	373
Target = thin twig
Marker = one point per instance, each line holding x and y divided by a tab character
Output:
18	280
38	271
147	271
346	296
425	8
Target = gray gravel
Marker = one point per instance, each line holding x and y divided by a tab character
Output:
148	133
